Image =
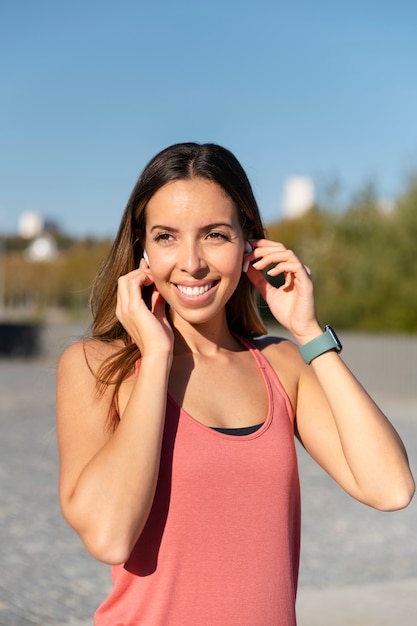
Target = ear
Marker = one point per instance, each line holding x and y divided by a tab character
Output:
248	250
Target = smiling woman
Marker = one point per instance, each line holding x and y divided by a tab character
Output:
181	162
197	256
176	426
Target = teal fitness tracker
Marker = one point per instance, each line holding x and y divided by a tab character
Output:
324	343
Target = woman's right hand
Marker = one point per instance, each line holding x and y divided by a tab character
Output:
149	329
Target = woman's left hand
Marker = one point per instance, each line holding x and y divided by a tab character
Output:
292	304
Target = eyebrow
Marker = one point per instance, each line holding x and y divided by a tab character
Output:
173	229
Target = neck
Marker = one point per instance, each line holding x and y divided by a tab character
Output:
205	339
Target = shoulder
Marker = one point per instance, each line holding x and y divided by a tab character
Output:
285	359
78	370
277	348
78	391
87	354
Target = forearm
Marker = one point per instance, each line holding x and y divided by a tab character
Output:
112	498
373	452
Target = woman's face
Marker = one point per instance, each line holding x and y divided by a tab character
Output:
195	247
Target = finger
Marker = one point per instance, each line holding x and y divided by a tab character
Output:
295	267
131	284
264	243
258	280
272	255
265	288
129	294
158	304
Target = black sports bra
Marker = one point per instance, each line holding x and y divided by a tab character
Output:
239	432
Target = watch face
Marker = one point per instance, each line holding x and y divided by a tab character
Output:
334	337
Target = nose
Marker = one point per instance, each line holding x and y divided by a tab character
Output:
191	258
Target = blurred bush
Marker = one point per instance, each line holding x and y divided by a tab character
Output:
363	261
35	288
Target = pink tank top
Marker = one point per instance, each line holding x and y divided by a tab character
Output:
221	544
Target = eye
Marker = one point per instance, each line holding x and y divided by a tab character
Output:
163	237
217	235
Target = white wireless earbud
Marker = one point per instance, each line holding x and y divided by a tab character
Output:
248	250
145	256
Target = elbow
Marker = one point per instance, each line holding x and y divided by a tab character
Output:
398	498
106	543
105	549
110	555
400	502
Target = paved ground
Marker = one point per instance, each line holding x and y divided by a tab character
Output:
359	567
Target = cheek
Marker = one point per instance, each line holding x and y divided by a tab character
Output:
231	269
161	268
234	263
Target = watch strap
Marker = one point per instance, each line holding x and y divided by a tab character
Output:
324	343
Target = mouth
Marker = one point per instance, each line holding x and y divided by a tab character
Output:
194	292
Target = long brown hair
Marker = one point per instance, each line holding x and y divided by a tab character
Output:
178	162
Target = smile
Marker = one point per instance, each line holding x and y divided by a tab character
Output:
193	292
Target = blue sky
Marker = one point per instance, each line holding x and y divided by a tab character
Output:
91	90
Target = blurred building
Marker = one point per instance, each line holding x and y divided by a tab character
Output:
42	248
31	225
298	197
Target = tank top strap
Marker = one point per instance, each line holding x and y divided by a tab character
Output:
269	372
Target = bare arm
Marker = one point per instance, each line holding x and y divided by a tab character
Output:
108	480
338	423
348	435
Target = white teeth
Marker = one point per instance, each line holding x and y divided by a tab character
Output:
194	291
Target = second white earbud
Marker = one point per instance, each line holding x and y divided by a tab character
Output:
145	256
248	250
